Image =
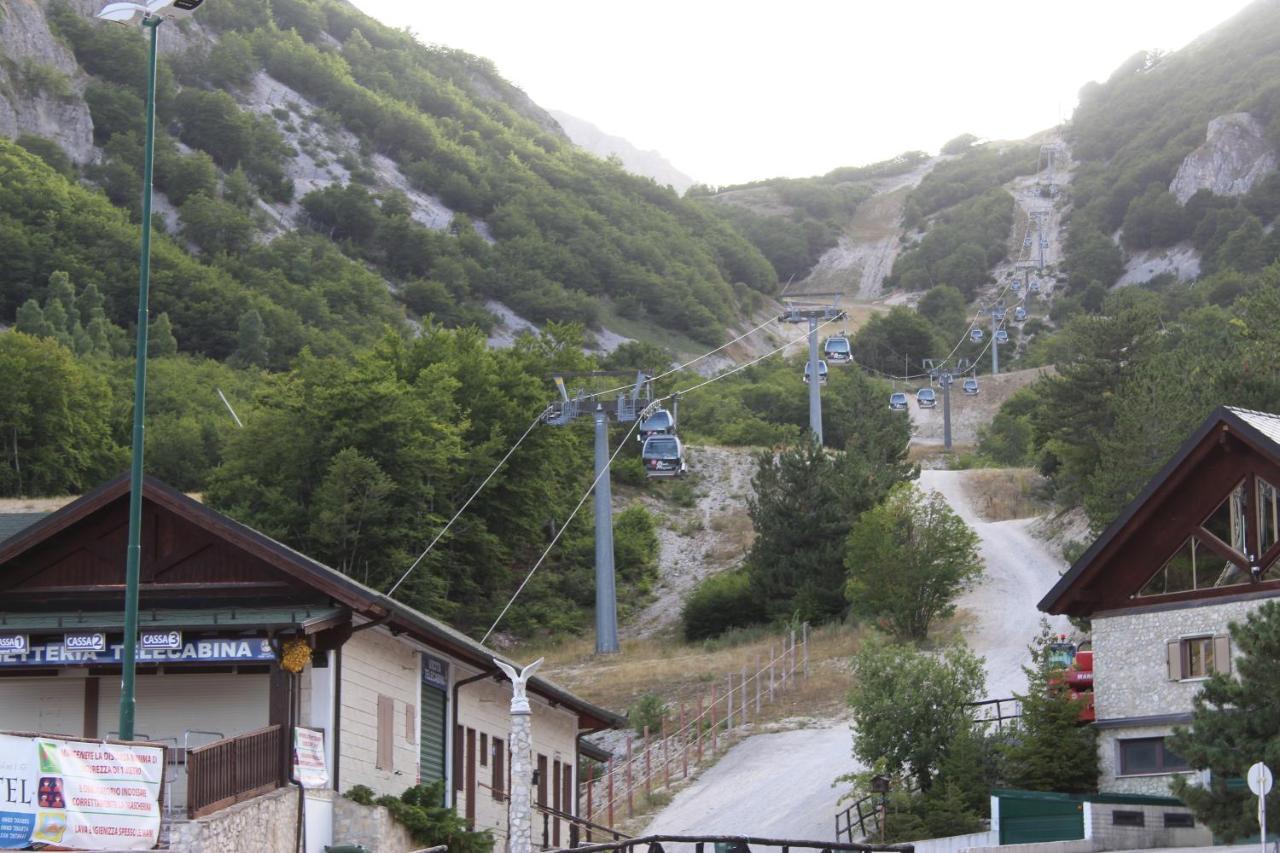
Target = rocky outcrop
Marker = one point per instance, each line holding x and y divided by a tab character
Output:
647	164
39	89
1235	155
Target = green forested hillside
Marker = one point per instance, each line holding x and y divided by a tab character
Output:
1132	132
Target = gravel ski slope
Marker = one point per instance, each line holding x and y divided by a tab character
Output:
779	785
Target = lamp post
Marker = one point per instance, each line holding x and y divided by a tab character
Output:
150	15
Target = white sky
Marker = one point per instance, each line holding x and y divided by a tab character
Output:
738	91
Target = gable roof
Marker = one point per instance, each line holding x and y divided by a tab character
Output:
359	598
1257	431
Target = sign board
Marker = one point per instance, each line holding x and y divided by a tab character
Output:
85	641
76	795
14	643
1259	779
435	672
309	769
166	640
216	650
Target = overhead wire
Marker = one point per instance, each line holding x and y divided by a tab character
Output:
563	528
468	501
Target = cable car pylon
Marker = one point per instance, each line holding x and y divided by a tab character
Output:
631	405
814	316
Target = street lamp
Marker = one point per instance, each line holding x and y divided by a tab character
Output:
150	15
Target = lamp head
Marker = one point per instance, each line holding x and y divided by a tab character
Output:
131	12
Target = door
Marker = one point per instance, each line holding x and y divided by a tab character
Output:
431	740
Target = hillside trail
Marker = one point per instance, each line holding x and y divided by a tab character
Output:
780	784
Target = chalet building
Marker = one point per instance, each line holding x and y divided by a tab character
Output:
399	696
1197	549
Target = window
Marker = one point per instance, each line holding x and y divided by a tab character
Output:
499	770
1127	818
1148	755
1197	657
386	721
484	750
1178	820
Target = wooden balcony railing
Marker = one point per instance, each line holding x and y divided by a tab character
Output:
235	769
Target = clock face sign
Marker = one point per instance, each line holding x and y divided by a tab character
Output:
1259	778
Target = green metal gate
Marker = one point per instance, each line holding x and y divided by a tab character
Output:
1028	817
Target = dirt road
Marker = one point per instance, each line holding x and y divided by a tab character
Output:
779	785
999	616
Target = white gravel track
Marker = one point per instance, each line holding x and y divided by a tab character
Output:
779	785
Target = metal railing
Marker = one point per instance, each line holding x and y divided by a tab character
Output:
862	812
998	711
579	828
737	844
234	769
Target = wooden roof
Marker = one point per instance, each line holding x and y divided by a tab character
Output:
194	556
1231	445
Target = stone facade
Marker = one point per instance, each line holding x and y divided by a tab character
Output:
1131	680
371	826
266	824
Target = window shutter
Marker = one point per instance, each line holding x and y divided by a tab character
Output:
457	758
410	724
386	722
1173	658
1222	653
499	770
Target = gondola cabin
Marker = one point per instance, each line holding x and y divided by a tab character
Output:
1002	337
837	350
975	335
663	456
822	372
661	422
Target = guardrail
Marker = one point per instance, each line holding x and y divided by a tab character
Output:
233	770
737	844
578	828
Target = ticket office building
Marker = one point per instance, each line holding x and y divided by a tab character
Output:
400	696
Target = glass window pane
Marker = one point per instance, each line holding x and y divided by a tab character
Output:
1172	761
1139	756
1227	521
1268	515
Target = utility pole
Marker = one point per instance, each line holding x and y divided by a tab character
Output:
945	381
815	382
995	346
606	598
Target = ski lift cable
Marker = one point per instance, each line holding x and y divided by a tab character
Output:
687	364
586	494
467	503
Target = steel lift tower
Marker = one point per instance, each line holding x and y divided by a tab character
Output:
814	314
627	407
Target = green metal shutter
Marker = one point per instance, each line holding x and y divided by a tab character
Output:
1031	818
431	746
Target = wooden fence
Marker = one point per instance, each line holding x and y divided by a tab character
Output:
235	769
696	736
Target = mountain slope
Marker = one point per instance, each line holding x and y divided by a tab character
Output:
648	164
420	164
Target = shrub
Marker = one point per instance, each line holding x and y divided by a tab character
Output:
648	712
719	603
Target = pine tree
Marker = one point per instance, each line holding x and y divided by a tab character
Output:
31	321
55	315
1235	722
253	344
160	339
61	290
90	304
1052	751
99	332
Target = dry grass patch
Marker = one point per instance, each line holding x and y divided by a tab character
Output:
679	671
1000	494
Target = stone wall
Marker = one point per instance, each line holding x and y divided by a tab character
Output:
371	826
1131	679
266	824
1099	826
1130	674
